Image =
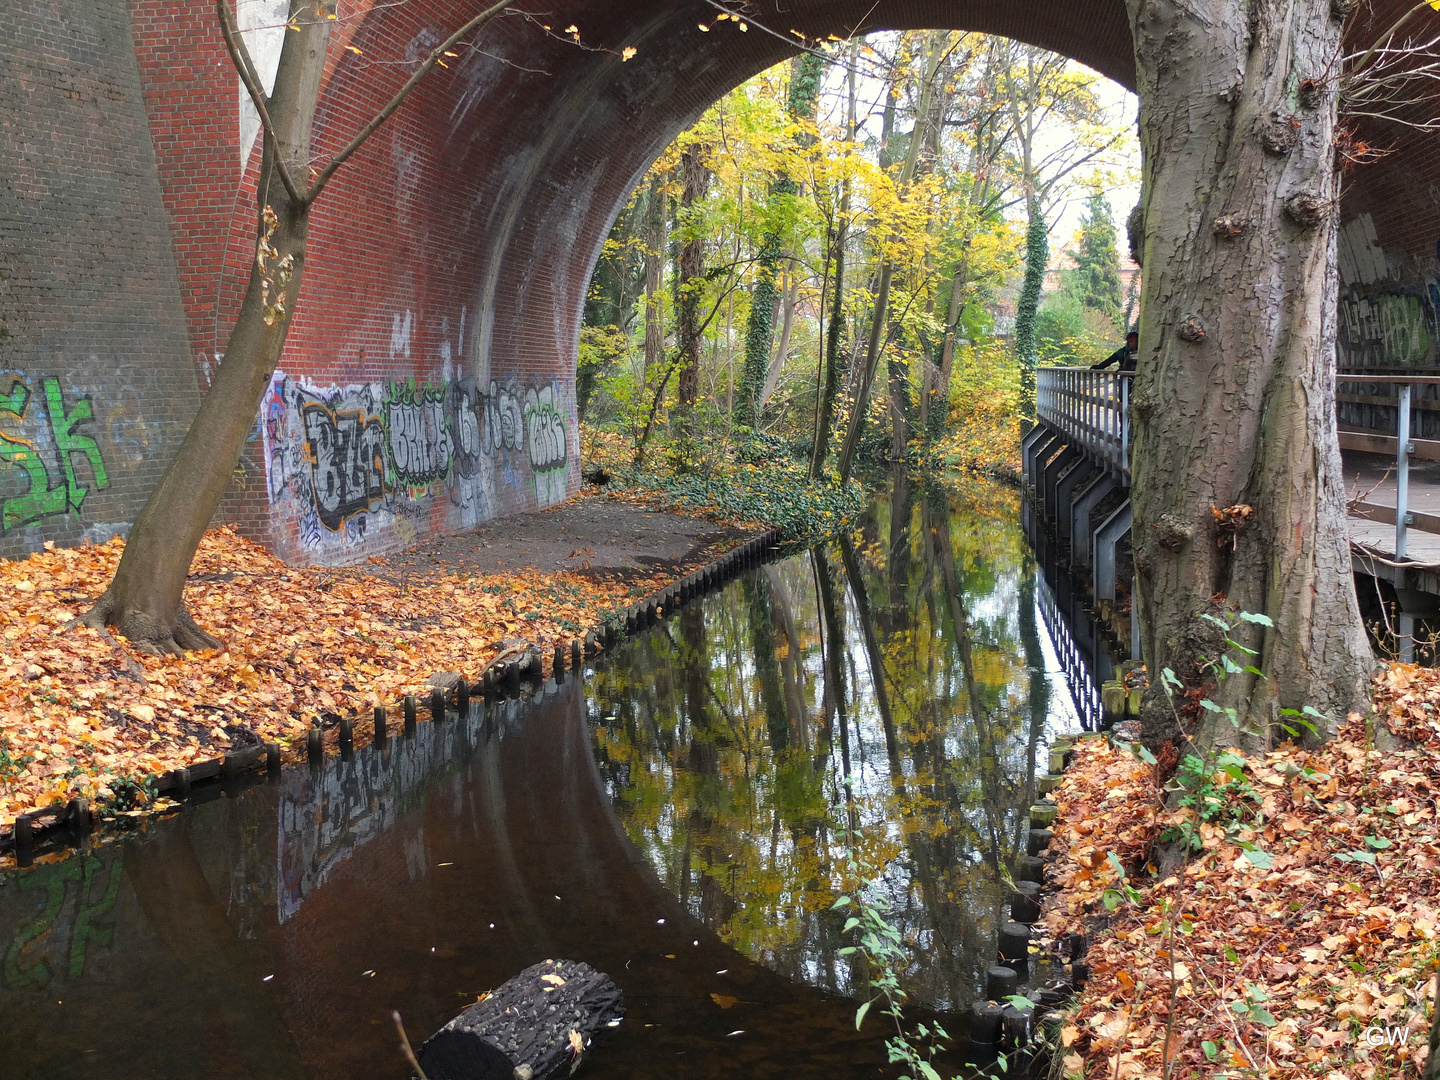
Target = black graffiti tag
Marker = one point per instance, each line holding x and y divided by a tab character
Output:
347	462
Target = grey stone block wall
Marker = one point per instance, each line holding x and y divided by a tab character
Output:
96	382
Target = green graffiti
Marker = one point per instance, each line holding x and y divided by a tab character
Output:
85	929
42	499
22	967
417	433
53	879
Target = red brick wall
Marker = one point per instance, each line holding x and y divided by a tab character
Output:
473	219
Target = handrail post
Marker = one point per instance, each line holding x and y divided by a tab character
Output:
1402	472
1125	427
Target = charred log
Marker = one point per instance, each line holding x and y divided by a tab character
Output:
536	1026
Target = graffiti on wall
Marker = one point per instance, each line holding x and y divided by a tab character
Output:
73	916
1390	329
346	458
373	461
45	441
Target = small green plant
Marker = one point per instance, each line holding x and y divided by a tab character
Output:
1113	898
1252	1006
1295	720
883	948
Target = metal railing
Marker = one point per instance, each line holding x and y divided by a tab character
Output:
1402	445
1091	408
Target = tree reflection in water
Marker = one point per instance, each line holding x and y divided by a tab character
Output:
892	681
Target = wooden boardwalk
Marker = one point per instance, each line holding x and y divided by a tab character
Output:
1370	489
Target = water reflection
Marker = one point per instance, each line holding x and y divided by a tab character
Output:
895	686
680	821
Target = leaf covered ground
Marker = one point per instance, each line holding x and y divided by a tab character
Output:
83	716
1302	934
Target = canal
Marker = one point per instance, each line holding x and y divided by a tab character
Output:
864	715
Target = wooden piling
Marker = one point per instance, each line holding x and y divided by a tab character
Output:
437	705
1025	902
1015	941
272	758
314	746
987	1024
409	714
347	737
462	698
1030	868
1001	982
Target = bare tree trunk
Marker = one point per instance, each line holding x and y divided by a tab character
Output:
789	297
1234	399
825	407
941	398
145	601
882	294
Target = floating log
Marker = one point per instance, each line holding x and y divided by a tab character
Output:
537	1026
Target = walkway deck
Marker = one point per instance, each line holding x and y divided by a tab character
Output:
1370	478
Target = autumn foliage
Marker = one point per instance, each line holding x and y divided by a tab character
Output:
82	715
1281	961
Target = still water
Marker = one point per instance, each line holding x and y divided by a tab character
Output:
682	818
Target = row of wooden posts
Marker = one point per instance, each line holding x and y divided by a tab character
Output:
999	1021
501	678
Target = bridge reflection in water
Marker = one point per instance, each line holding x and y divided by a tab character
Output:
678	821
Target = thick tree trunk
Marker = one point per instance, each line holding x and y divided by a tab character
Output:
1234	398
145	601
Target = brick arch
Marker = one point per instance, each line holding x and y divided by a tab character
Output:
456	248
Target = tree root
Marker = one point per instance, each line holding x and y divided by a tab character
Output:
145	633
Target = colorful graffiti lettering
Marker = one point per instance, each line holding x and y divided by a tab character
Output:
382	464
347	462
1386	330
45	495
419	436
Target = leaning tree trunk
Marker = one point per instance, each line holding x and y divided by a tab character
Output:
145	601
1234	398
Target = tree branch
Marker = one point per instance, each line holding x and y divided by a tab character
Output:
240	57
401	94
